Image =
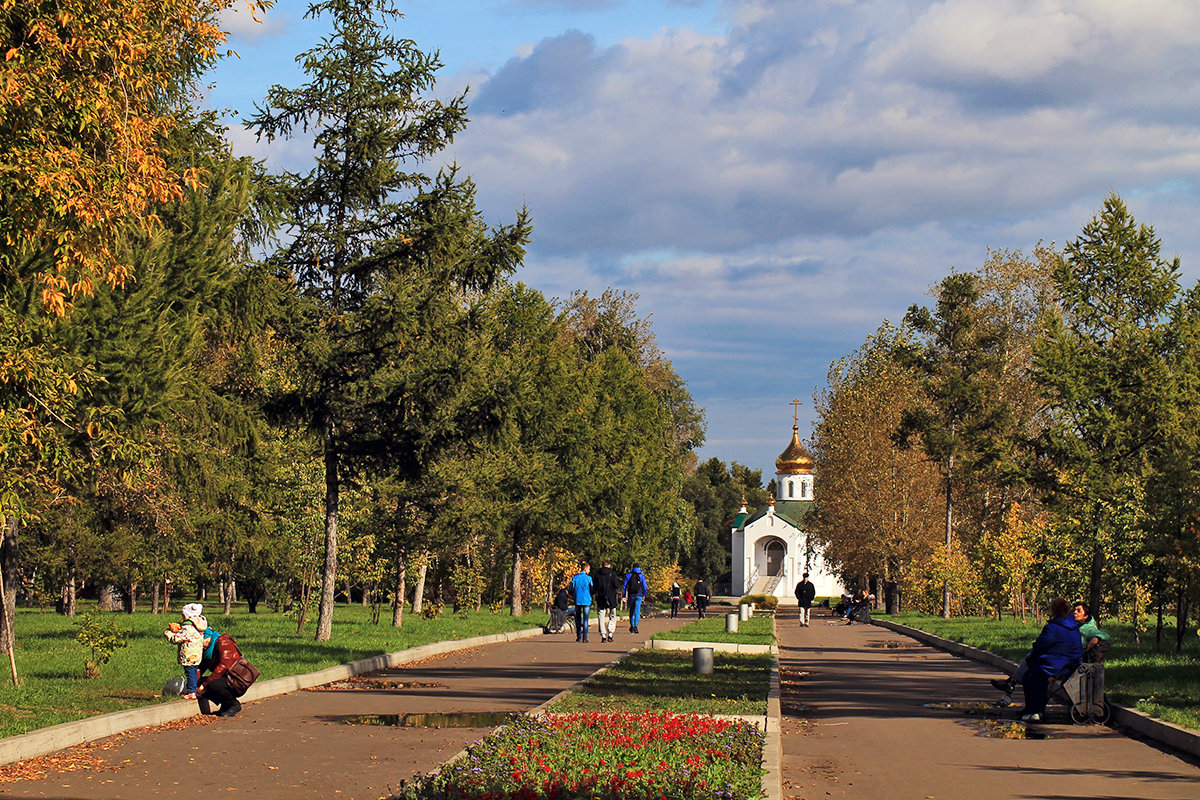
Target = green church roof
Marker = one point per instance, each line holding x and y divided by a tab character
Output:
792	512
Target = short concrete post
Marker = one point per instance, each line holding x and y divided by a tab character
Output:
731	623
744	611
702	660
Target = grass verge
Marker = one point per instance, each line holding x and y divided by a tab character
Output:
1143	675
50	661
663	680
756	630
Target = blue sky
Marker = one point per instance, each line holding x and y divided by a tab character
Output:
774	178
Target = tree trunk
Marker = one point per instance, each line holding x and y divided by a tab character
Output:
949	533
518	602
329	573
1094	584
131	598
8	571
106	601
401	587
166	595
1182	604
230	594
419	593
72	584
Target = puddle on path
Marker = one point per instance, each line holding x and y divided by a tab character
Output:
973	707
1005	729
480	719
893	644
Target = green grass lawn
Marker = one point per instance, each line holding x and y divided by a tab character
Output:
663	680
756	630
50	661
1156	680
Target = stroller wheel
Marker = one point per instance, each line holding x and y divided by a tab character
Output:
1102	714
1077	715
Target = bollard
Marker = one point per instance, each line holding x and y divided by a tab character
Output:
731	623
702	660
744	611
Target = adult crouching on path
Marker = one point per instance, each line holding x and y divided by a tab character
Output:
1056	649
220	654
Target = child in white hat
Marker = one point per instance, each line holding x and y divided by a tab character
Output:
189	635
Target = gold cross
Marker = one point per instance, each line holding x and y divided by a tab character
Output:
795	404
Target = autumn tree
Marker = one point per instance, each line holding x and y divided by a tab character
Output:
877	509
957	416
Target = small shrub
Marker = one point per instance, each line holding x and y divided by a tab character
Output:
767	602
101	639
430	610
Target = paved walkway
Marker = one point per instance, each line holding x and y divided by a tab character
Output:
298	745
856	724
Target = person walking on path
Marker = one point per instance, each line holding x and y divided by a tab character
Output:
634	589
703	595
608	599
805	593
581	587
675	598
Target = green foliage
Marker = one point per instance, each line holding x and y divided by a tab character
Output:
715	491
102	639
767	602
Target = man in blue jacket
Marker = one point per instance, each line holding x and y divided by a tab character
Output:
1056	649
581	587
634	589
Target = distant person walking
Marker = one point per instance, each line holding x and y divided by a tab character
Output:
581	587
676	597
608	599
805	593
634	590
703	595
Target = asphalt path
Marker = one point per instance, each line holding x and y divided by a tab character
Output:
301	745
868	713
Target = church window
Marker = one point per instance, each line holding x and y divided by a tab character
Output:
792	489
804	489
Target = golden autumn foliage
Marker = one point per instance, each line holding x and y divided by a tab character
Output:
88	89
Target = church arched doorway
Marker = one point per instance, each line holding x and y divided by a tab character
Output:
774	552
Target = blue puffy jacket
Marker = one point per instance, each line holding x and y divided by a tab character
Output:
1057	647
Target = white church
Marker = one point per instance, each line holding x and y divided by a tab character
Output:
771	548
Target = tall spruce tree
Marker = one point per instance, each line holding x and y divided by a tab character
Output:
1104	360
366	224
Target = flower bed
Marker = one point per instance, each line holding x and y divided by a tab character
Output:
651	756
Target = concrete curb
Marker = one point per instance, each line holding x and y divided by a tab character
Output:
1169	734
69	734
718	647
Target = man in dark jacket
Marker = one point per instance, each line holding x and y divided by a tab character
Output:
608	599
703	595
805	592
215	688
1056	650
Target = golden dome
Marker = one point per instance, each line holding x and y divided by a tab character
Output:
795	460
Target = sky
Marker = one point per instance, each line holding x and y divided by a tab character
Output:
775	178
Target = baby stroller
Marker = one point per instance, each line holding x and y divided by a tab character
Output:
560	620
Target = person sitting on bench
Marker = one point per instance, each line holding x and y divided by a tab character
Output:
1095	641
1057	648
